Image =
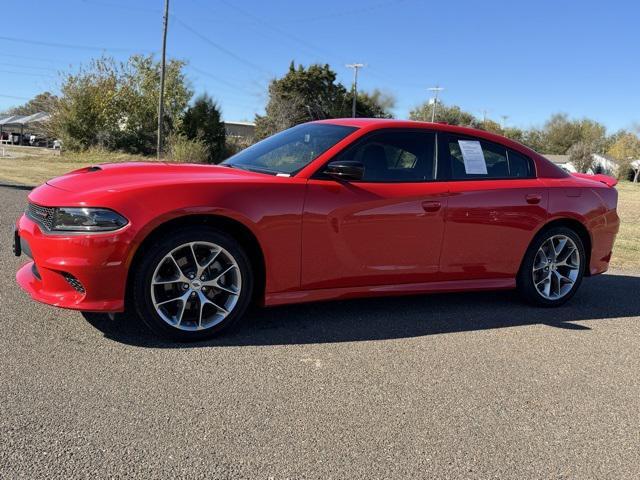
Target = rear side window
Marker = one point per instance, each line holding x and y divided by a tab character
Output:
401	156
473	159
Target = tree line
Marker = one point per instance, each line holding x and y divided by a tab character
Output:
113	105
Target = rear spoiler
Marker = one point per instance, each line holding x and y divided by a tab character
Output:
606	179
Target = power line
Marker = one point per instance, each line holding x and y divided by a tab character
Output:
22	57
27	66
309	46
122	6
219	79
344	13
219	47
27	73
263	22
14	97
61	45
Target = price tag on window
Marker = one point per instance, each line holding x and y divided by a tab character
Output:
474	162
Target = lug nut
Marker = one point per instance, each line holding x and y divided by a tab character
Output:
185	286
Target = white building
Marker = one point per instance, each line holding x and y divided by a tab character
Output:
601	164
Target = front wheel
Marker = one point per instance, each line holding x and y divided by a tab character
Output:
552	268
191	285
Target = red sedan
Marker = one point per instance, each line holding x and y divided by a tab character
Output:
325	210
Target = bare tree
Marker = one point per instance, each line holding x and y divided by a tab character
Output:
581	156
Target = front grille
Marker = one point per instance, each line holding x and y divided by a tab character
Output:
74	282
43	216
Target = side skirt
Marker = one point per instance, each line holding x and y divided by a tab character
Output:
302	296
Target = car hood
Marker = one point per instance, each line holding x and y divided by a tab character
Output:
127	176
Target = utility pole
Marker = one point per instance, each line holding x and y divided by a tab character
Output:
437	90
356	67
484	117
162	68
504	120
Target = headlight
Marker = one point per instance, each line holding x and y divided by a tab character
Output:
87	220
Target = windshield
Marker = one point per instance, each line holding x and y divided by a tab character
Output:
291	150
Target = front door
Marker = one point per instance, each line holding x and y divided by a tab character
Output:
385	229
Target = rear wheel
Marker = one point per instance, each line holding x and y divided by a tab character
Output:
552	268
192	285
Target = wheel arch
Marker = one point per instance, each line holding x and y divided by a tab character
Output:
237	229
574	224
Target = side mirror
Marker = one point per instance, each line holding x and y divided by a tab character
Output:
345	170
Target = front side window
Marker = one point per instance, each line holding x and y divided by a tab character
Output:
477	159
291	150
402	156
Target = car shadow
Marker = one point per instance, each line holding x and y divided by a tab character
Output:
599	298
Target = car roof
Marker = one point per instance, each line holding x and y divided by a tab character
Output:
377	123
544	166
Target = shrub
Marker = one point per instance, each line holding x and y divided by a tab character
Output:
235	145
183	150
202	121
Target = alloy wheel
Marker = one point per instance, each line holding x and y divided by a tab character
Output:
556	267
196	286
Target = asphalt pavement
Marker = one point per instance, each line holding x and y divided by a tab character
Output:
443	386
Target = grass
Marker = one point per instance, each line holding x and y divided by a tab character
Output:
626	251
33	166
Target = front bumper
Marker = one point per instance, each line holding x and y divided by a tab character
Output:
84	272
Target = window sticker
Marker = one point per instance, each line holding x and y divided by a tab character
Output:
474	162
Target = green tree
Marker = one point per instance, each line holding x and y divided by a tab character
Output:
140	91
451	114
560	133
202	122
302	95
114	105
89	109
626	146
516	134
42	102
625	149
376	104
306	94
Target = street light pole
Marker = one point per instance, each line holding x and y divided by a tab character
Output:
162	72
437	90
356	67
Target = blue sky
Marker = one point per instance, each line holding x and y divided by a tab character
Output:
523	59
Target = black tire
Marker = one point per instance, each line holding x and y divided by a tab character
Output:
525	279
142	282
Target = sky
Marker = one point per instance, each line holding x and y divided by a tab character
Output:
524	60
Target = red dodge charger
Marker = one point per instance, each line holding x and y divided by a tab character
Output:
325	210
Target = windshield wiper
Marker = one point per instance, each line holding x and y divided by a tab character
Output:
250	169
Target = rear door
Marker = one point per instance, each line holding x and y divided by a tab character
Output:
386	228
492	212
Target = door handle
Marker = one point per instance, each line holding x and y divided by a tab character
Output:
533	198
431	206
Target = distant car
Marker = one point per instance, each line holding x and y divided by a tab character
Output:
325	210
